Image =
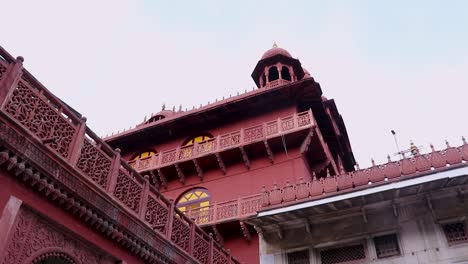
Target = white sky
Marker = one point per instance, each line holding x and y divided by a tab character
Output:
398	66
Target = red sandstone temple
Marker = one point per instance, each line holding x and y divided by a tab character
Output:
267	176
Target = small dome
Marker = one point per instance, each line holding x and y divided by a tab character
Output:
275	51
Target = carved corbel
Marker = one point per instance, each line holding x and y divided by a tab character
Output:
305	145
180	173
245	157
268	150
198	168
220	162
162	178
218	235
245	231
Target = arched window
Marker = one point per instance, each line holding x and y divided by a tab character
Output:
144	154
273	74
197	139
285	73
194	199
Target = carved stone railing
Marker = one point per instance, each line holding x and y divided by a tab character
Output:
224	142
226	211
367	178
60	129
276	83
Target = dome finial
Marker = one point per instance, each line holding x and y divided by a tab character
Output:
274	45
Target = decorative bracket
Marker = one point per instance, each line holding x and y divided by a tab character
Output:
305	145
245	157
220	162
180	173
198	168
162	178
245	231
268	150
218	235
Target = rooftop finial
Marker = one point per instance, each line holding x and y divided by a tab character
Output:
163	107
274	45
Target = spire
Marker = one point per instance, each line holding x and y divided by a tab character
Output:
274	45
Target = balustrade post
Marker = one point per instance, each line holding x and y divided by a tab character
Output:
311	117
137	164
218	143
192	237
215	212
114	171
210	251
144	198
295	121
170	220
241	137
194	149
77	143
177	153
12	74
239	209
280	128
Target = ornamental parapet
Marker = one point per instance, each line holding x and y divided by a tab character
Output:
232	210
235	139
406	168
47	145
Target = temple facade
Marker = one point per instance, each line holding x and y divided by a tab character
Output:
213	161
66	197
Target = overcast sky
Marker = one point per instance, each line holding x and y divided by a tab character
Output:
399	65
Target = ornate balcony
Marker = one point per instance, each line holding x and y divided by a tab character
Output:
54	152
232	210
237	139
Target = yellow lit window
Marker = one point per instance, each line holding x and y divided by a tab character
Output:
143	155
193	199
197	139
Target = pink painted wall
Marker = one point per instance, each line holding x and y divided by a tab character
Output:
12	187
244	251
239	181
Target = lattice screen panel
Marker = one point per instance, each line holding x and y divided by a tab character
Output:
455	232
386	246
299	257
349	254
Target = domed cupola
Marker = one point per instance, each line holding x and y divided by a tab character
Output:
277	67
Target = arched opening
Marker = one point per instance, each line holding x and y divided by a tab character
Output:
143	154
197	139
273	74
193	199
285	75
195	203
264	79
155	118
205	145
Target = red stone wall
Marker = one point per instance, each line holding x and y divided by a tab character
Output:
40	227
239	181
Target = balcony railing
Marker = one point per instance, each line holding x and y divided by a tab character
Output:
47	119
226	211
277	82
224	142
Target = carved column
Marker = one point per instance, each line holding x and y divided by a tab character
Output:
8	216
